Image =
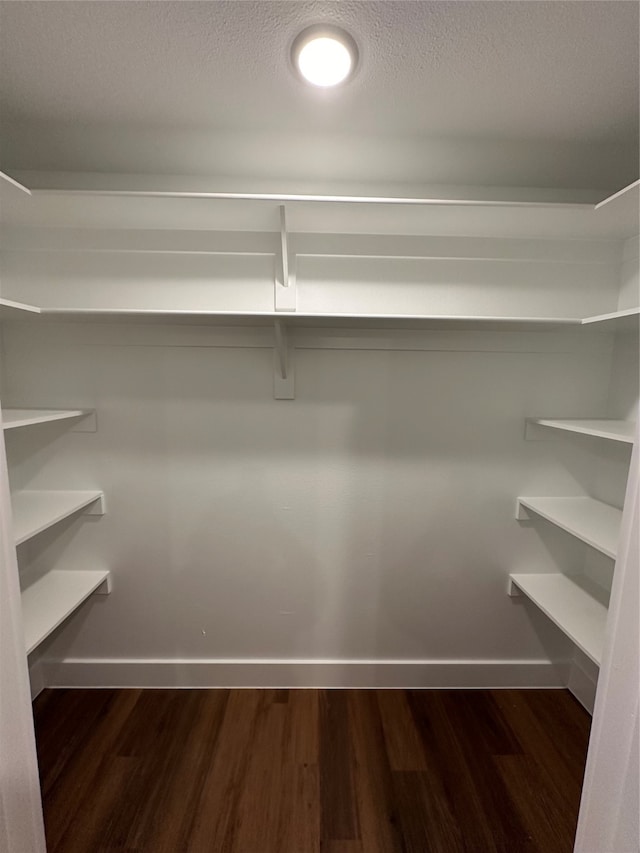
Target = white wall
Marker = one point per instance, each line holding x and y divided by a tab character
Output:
370	519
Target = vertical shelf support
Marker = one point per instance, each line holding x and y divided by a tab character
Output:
285	283
283	376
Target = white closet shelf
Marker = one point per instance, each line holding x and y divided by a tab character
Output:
289	319
14	418
614	218
617	320
595	523
627	319
54	597
574	603
35	511
603	428
10	310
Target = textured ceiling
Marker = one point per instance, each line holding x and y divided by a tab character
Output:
556	72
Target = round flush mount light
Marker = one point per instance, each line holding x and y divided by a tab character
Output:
324	55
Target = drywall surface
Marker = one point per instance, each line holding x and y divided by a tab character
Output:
371	519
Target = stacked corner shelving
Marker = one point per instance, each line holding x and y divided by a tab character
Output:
51	599
575	603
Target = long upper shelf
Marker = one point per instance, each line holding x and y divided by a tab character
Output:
595	523
35	511
10	310
613	218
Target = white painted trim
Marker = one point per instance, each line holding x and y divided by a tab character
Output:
21	823
609	806
583	680
304	673
36	678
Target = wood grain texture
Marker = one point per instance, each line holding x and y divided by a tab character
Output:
310	771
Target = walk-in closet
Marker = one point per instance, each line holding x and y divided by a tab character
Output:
319	449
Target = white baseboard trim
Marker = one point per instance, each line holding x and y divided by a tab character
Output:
37	680
304	673
583	680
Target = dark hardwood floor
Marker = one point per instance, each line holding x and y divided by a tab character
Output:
298	771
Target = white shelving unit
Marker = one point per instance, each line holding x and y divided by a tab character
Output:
573	603
35	511
54	597
591	521
610	429
16	418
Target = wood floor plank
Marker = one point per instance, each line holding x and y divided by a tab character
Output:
82	775
144	791
543	814
543	738
310	771
70	724
95	824
426	820
475	791
404	747
299	821
165	823
257	819
373	783
339	818
217	810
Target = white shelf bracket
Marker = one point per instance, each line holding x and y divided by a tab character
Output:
513	591
285	282
96	508
105	587
86	423
537	432
522	513
283	375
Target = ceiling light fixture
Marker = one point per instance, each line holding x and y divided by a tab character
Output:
324	55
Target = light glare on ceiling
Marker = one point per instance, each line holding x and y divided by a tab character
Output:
324	56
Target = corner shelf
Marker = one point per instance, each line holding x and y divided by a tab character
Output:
604	428
593	522
15	418
54	597
626	320
35	511
574	603
10	310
